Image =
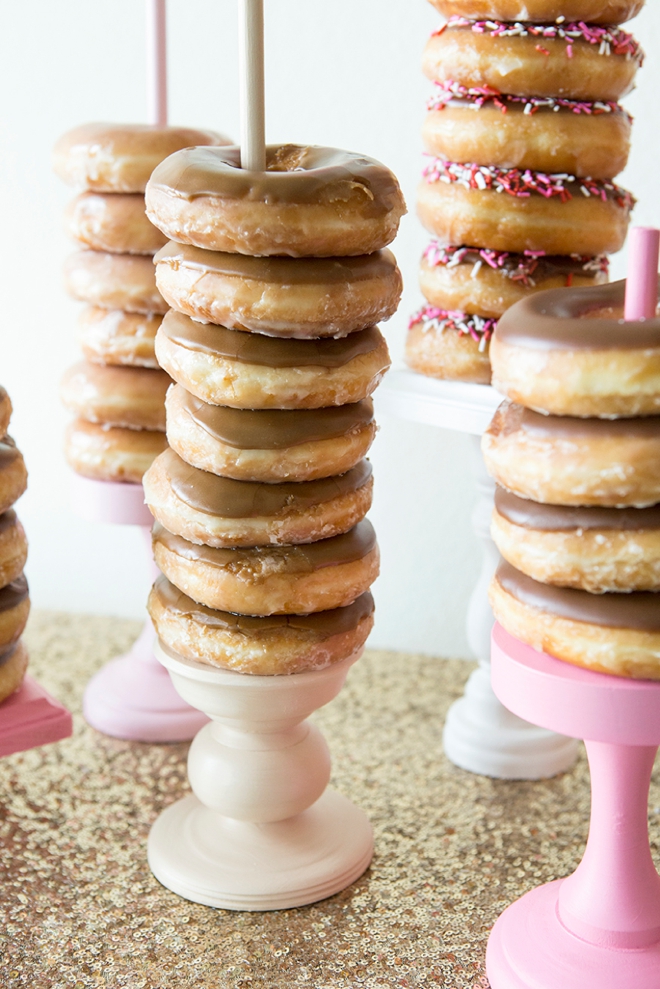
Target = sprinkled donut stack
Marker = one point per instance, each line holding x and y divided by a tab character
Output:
276	280
118	391
525	136
14	597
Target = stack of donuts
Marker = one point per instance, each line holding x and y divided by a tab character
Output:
276	280
525	137
118	391
575	451
14	597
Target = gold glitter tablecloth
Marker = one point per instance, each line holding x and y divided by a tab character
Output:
79	907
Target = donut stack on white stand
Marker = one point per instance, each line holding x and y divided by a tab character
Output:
260	533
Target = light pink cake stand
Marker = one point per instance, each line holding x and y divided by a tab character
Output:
600	927
31	717
132	697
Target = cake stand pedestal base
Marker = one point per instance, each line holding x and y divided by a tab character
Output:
31	717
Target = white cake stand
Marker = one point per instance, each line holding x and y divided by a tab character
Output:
480	735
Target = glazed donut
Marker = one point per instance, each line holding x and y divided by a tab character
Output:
13	474
121	157
268	444
111	336
251	371
542	11
590	140
218	511
114	281
110	453
272	580
473	281
576	61
485	206
592	549
279	644
112	222
608	633
571	353
5	412
13	547
13	664
301	297
14	611
310	202
559	460
132	397
451	345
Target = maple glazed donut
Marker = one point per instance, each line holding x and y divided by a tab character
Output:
571	353
113	222
301	297
121	157
5	411
576	61
608	633
114	281
219	511
251	371
310	202
112	336
111	453
545	134
13	664
272	580
268	444
13	474
132	397
542	11
449	344
272	646
13	547
592	549
513	210
562	460
14	611
487	282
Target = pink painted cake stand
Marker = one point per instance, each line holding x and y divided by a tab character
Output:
132	697
600	927
31	717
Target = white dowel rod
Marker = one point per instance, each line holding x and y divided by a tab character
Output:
156	62
252	89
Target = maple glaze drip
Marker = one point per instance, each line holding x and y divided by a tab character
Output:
563	518
511	418
14	594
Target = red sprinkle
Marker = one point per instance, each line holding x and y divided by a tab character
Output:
479	328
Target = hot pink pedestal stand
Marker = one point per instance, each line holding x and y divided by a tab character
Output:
132	697
31	717
600	928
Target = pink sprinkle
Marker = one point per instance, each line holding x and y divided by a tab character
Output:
479	328
477	97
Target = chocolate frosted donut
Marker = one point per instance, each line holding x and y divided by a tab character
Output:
569	352
542	11
13	664
272	580
5	412
608	633
592	549
218	511
301	297
131	397
13	474
116	337
13	547
14	611
268	444
279	644
112	222
251	371
310	202
561	460
111	453
114	281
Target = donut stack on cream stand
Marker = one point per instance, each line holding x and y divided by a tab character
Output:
117	392
525	137
575	449
277	273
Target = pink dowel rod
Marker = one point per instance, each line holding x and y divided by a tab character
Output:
252	84
642	282
156	62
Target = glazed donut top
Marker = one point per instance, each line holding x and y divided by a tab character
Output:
222	496
527	268
275	352
14	594
325	623
452	93
511	418
349	547
589	318
295	175
121	157
593	11
638	610
480	328
275	429
561	518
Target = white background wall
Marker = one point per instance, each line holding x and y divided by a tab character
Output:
339	72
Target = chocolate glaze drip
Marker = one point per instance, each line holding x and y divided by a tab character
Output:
8	452
566	319
639	610
560	518
346	548
323	623
275	429
511	418
545	266
13	594
7	520
227	498
294	174
254	348
518	106
7	654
